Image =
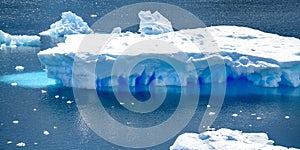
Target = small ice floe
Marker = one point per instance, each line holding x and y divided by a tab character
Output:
253	114
56	96
14	84
35	143
46	132
19	68
112	106
132	103
211	113
241	111
93	15
54	127
258	118
250	125
9	142
15	121
69	102
287	117
34	109
208	106
234	115
44	91
121	103
21	144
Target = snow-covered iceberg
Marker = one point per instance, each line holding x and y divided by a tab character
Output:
18	40
225	139
265	59
154	23
70	23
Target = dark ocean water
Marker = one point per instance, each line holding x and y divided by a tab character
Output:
38	112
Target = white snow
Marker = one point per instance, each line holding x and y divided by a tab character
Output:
18	40
225	139
19	68
70	23
265	59
154	23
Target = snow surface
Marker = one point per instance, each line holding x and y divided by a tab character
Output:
225	139
18	40
70	23
154	23
265	59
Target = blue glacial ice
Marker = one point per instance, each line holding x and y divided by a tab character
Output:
18	40
224	139
154	23
265	59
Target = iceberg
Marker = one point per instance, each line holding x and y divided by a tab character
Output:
70	23
265	59
224	139
18	40
154	23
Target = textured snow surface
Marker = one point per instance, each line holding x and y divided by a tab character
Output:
225	139
264	59
70	23
18	40
154	23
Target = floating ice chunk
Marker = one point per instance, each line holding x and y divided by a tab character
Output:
224	139
15	121
19	68
21	144
234	115
154	23
9	142
45	132
34	109
69	102
287	117
44	91
56	96
211	113
69	24
93	15
54	127
18	40
14	84
253	114
258	118
35	143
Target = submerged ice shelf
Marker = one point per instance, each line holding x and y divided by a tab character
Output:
224	139
265	59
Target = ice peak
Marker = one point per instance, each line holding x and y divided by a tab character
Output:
154	23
